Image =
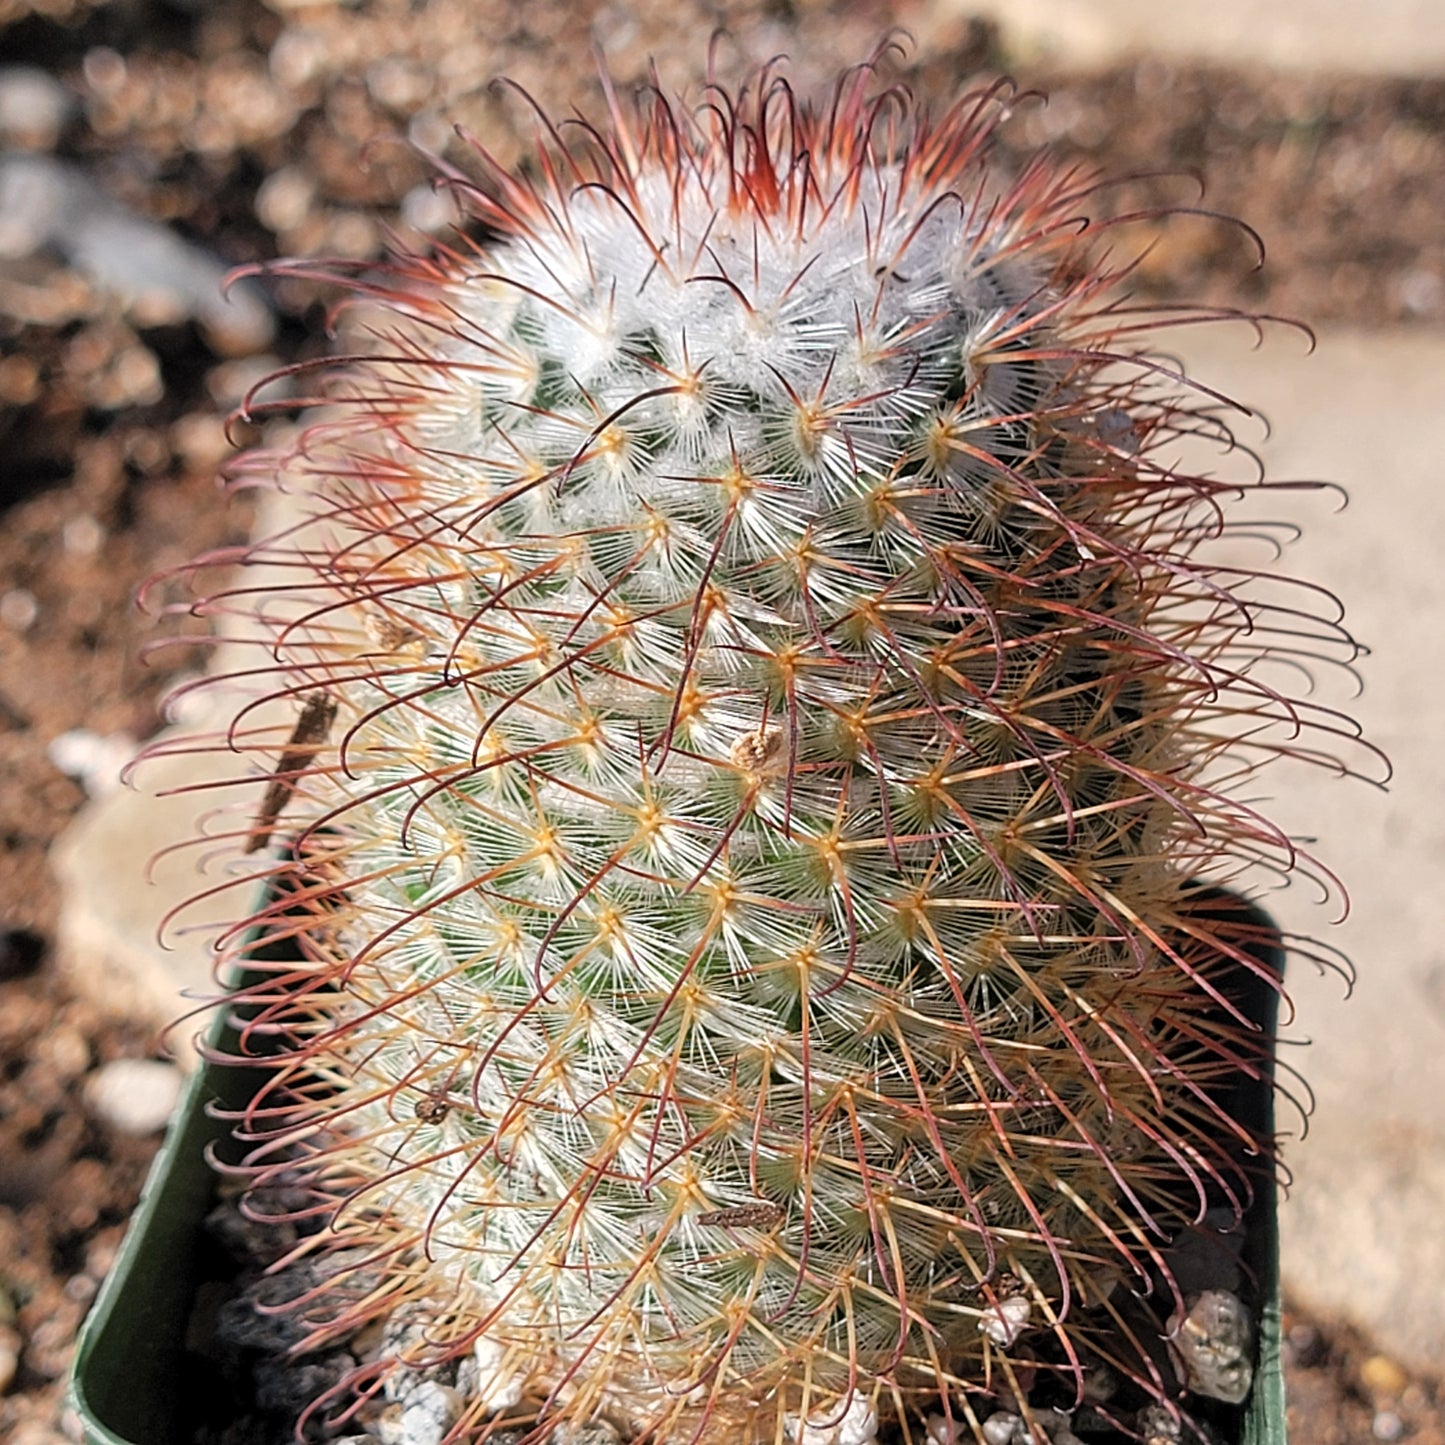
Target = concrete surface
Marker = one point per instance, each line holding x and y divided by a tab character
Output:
1395	37
1362	1238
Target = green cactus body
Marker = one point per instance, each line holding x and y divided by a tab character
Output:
750	981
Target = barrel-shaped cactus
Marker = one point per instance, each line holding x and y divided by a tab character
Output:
760	700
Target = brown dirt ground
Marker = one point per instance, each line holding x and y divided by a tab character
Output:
110	436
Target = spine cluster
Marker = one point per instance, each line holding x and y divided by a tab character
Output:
763	713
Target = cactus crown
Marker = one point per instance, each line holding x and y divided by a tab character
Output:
751	983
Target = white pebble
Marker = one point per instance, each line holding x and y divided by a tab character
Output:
19	609
1001	1428
429	209
405	1338
430	131
1387	1425
285	198
32	202
496	1387
430	1411
65	1050
298	57
34	106
857	1425
1050	1427
1007	1320
82	536
94	761
942	1431
1422	292
135	1096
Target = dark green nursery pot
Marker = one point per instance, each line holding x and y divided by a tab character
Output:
132	1382
127	1382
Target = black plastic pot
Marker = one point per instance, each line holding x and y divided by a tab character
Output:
128	1382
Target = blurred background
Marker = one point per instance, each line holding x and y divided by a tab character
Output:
148	146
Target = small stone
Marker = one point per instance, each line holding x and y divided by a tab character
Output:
1214	1341
1007	1320
232	382
1380	1375
34	107
200	440
592	1432
298	57
19	610
856	1425
429	1412
134	1096
353	235
1050	1427
405	1338
496	1387
1421	292
285	198
64	1050
1002	1428
51	1342
104	70
95	762
81	1289
400	85
387	1425
1158	1426
430	132
1304	1346
1387	1425
83	536
943	1431
33	201
133	379
429	208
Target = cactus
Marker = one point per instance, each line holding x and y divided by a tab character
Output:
765	706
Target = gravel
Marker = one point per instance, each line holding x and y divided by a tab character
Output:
134	1096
